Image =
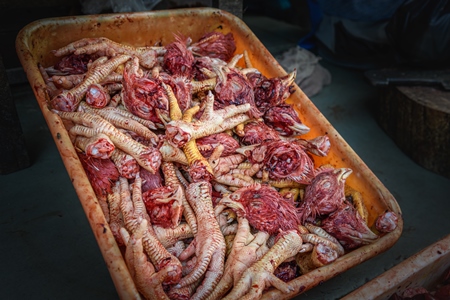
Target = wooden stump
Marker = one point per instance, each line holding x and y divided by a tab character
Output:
417	118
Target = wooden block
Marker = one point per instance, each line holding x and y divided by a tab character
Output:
417	118
13	153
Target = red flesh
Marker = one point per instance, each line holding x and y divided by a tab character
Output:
207	144
96	96
323	196
142	96
257	132
236	90
102	173
271	92
158	208
74	64
280	117
198	172
150	181
181	87
178	60
386	222
103	148
285	160
217	45
348	227
267	210
287	271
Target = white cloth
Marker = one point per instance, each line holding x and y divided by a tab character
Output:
311	76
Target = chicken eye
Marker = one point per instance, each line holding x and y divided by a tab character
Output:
235	86
94	92
256	204
326	185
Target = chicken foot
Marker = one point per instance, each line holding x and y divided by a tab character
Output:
260	275
69	100
246	250
103	46
212	121
147	157
208	245
134	212
148	281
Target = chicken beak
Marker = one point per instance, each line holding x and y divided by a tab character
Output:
227	201
343	174
366	237
299	128
289	80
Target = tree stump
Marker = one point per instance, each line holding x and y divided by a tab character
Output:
417	118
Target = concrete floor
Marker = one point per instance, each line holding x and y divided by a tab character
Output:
48	250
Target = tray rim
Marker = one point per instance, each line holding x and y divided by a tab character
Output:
112	255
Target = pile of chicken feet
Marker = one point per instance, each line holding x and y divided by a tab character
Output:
200	167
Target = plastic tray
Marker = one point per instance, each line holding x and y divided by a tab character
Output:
35	42
424	269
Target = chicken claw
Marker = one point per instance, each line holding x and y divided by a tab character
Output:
212	121
208	245
148	281
247	248
260	275
104	46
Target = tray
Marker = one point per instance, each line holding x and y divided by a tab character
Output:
34	43
424	269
